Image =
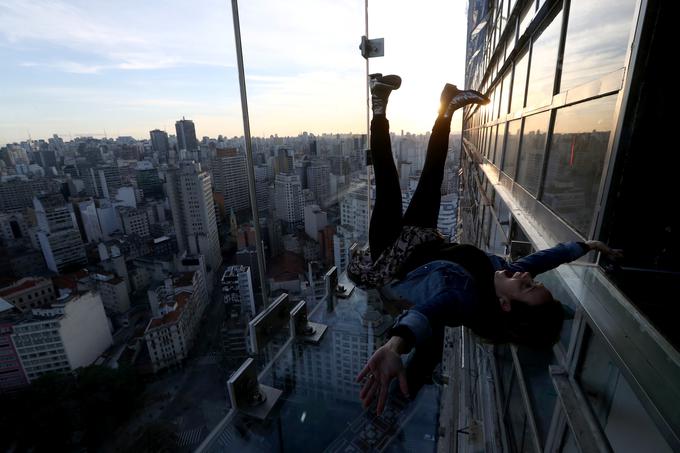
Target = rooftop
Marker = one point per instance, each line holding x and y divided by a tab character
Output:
181	300
21	285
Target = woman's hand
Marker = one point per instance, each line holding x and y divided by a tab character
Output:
383	366
601	247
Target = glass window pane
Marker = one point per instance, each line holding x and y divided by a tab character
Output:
624	421
519	83
492	146
576	158
543	64
517	421
526	17
510	42
534	139
505	98
585	58
496	101
541	391
499	144
512	147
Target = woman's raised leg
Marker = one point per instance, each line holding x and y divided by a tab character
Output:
385	223
423	210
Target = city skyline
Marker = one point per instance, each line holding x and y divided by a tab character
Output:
76	69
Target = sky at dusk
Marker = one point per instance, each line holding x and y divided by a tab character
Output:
125	67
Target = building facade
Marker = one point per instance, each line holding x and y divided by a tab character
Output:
289	201
29	292
71	333
230	178
562	154
59	237
170	335
189	191
237	289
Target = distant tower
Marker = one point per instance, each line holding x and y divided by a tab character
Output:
160	143
186	135
230	178
289	202
60	240
189	191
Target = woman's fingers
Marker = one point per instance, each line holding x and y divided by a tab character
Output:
367	385
362	374
370	394
382	399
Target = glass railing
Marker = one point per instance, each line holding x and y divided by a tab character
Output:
319	408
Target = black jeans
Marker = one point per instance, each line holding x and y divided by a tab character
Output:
423	210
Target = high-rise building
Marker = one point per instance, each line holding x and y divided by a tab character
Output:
579	99
237	289
186	135
103	181
189	191
160	143
171	333
12	376
354	209
134	220
318	181
148	180
17	193
315	220
289	201
60	240
85	211
73	332
230	178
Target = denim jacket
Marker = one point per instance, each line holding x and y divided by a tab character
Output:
444	295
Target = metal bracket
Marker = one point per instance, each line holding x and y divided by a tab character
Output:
371	48
302	328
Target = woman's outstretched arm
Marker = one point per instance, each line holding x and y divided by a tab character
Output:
545	260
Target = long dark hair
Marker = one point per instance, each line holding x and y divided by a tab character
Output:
535	326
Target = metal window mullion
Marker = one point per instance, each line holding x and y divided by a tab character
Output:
249	153
587	432
525	398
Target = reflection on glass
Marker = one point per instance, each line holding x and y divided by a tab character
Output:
497	101
585	58
512	147
533	147
576	158
526	17
517	422
543	64
505	98
541	391
492	143
519	82
510	42
500	141
617	409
